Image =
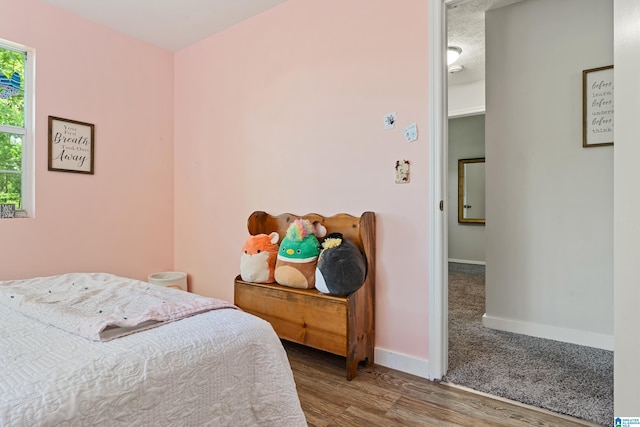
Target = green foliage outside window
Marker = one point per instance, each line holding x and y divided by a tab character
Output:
11	114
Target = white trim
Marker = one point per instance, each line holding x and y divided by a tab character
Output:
463	112
12	129
28	142
467	261
522	405
16	47
402	362
573	336
438	306
28	150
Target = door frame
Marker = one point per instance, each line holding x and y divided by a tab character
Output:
438	172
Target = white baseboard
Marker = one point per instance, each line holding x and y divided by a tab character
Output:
466	261
573	336
402	362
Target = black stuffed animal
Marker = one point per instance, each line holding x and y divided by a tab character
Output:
341	267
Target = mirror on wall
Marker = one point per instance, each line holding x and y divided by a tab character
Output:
471	197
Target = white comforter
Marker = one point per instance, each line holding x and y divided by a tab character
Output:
101	306
219	368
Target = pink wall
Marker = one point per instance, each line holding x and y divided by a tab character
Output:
283	113
119	220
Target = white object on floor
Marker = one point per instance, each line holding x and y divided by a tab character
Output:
172	279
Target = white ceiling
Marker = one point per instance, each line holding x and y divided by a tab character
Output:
170	24
175	24
465	29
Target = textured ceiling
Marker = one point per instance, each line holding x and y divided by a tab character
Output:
465	29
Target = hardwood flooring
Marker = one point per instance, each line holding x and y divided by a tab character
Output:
380	397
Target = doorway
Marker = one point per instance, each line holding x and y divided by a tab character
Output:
538	178
577	154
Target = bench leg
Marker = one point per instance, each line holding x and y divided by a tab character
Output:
352	367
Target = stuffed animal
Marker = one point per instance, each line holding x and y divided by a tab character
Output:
258	259
297	257
341	267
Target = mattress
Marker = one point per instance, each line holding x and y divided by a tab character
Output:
217	368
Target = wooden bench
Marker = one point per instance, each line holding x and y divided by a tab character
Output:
341	325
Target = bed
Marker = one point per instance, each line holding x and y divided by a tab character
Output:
210	367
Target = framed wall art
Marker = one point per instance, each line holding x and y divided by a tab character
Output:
597	106
7	210
71	145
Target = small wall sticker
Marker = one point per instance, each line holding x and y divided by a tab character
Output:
389	120
411	132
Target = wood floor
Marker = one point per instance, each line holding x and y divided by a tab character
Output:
380	397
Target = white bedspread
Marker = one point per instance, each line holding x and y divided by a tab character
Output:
101	306
218	368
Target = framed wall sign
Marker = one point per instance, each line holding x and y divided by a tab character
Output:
7	210
597	107
70	145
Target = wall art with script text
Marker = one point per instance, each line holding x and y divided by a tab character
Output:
597	107
70	145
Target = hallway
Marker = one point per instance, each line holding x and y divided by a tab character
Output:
564	378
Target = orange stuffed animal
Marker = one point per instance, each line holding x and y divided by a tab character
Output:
258	259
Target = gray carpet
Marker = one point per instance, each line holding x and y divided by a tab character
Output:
563	378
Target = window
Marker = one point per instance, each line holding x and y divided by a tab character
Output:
16	127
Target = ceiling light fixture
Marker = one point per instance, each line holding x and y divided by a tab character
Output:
453	53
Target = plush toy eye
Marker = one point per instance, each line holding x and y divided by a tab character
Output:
298	251
259	251
245	252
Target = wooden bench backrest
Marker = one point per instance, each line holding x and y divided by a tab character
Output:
360	230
